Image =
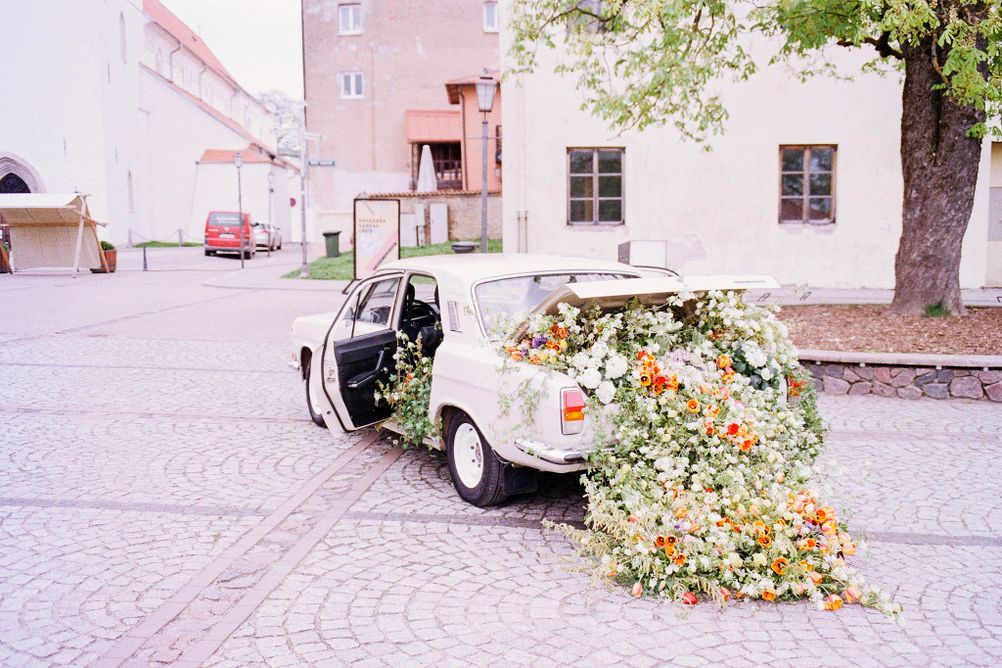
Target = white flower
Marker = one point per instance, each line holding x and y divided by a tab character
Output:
606	391
615	366
766	372
754	355
590	378
600	350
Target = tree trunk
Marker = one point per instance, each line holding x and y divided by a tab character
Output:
940	167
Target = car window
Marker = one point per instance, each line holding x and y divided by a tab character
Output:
367	310
224	219
511	298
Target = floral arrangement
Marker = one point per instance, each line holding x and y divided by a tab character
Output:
700	484
408	392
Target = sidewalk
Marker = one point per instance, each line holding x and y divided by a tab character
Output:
791	295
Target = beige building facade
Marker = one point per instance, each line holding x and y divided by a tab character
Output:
376	75
805	185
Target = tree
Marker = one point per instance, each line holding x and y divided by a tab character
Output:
286	113
642	62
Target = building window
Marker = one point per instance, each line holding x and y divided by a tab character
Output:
490	17
349	19
807	184
595	186
588	19
351	85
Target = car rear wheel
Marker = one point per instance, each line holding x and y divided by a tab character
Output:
477	473
317	418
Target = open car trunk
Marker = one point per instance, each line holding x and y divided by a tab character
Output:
612	295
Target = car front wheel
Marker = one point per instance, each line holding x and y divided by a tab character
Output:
477	473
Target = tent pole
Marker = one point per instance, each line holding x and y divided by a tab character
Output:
80	228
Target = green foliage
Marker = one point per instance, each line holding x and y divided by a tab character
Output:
167	244
936	310
643	62
408	392
107	245
341	268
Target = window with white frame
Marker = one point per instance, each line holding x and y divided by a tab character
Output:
351	85
349	19
807	184
595	186
490	16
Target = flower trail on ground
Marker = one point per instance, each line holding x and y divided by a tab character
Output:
700	482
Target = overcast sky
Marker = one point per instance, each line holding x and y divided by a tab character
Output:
259	41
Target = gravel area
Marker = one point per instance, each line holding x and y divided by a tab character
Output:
869	328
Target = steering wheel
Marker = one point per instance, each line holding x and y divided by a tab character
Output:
422	314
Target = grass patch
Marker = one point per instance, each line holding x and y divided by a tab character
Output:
166	244
936	310
341	268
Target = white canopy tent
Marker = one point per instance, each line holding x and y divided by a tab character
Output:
51	232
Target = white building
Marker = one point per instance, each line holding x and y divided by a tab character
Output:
573	186
121	100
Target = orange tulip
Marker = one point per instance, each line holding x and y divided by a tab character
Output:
851	594
637	590
768	595
764	540
779	566
815	577
833	602
517	356
708	428
692	406
725	593
689	598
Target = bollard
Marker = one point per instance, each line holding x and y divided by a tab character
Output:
180	238
144	259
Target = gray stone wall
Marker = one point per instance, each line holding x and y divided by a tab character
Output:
906	382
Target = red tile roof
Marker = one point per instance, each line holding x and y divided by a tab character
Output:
254	153
186	36
421	125
453	86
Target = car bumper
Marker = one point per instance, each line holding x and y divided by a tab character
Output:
549	453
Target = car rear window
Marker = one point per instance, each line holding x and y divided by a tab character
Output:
224	219
512	298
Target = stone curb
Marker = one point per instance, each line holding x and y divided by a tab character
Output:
906	375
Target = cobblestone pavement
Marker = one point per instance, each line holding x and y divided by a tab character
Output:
164	500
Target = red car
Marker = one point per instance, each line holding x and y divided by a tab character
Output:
222	233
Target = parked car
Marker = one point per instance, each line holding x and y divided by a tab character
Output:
452	302
267	236
222	233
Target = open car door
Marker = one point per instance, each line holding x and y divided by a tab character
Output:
358	352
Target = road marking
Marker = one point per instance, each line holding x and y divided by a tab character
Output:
138	506
202	650
134	638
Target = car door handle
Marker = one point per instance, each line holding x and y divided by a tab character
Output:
357	382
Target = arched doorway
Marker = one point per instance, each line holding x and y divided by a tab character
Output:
12	183
17	177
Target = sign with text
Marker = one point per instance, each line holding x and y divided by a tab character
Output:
377	234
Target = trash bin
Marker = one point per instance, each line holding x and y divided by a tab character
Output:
332	239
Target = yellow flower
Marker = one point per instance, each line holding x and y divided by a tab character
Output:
723	362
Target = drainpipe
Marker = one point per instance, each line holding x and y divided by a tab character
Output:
170	60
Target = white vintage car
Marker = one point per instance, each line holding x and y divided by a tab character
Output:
452	302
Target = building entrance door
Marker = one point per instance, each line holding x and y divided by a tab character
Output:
11	183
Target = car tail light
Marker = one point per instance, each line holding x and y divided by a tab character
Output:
572	406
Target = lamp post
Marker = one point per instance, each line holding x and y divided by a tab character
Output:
238	161
486	87
271	191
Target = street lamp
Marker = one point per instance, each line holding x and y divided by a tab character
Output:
271	191
238	160
486	87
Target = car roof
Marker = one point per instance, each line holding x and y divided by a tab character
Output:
469	268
